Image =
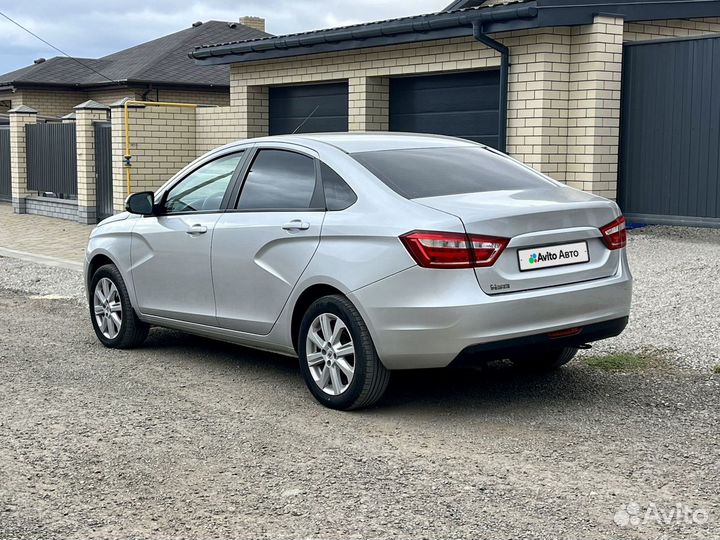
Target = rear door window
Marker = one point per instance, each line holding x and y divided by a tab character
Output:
281	180
434	172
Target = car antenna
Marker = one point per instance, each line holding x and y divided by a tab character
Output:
306	119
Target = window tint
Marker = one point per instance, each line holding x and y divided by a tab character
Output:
279	179
203	190
338	195
433	172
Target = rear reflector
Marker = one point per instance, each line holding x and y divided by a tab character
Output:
568	332
614	234
432	249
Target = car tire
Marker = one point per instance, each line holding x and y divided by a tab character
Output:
107	291
369	377
544	359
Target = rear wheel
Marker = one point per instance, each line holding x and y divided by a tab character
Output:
337	356
113	317
544	359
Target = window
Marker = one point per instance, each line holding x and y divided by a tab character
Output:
279	179
203	189
434	172
338	195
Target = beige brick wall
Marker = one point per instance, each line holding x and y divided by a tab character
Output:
49	102
368	104
111	95
162	142
18	158
594	106
538	86
671	28
85	140
220	99
216	126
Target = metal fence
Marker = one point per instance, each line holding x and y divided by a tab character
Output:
52	158
5	187
103	170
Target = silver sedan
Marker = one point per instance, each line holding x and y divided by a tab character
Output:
362	254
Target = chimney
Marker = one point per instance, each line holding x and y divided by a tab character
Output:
258	23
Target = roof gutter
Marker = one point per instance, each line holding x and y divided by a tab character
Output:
425	28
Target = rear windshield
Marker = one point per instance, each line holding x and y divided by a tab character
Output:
433	172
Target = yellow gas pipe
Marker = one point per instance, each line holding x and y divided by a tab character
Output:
128	155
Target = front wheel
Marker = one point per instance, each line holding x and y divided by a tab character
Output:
544	359
113	317
337	357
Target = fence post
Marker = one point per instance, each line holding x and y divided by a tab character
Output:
86	114
117	120
19	118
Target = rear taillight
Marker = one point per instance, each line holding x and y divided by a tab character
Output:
453	250
614	234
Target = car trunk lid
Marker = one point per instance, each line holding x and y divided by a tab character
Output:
558	227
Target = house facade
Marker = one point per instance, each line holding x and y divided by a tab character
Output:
598	96
158	70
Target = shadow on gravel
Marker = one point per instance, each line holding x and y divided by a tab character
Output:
497	386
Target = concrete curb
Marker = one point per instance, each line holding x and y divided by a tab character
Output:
41	259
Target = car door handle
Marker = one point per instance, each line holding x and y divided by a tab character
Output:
296	225
197	229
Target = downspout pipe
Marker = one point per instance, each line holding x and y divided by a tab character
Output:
483	38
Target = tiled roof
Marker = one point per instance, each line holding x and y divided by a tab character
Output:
160	61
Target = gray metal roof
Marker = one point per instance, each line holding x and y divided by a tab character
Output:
493	15
162	61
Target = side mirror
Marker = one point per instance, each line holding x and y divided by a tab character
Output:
142	203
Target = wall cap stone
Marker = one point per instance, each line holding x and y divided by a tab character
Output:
69	116
22	109
91	105
121	103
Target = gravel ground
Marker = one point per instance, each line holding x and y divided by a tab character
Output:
189	438
675	296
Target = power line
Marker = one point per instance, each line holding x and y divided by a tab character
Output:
58	50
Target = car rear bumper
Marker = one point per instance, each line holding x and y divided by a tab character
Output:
424	318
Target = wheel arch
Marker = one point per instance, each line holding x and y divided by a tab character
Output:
97	260
304	301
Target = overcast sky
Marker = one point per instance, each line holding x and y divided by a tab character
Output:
93	29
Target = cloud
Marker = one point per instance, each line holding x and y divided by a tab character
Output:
93	29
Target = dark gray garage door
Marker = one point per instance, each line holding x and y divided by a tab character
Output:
460	104
670	134
290	106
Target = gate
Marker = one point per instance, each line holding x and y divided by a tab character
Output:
52	158
670	132
103	170
5	188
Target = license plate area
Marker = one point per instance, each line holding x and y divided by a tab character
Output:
537	258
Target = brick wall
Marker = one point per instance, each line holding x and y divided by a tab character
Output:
216	126
220	99
162	142
51	207
111	95
49	102
671	28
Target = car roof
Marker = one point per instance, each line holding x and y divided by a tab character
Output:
369	141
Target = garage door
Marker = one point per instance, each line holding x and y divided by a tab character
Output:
290	106
460	104
670	132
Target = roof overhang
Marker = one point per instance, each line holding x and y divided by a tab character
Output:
496	19
17	86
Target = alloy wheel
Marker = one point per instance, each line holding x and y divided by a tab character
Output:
107	308
330	354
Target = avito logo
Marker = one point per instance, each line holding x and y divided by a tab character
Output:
550	256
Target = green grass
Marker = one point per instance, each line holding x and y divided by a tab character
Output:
646	359
716	369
